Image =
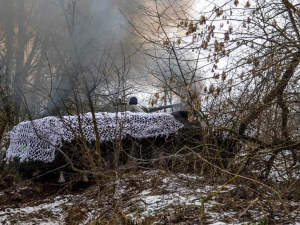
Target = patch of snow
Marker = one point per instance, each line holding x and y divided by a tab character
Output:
219	223
145	192
189	176
177	192
54	207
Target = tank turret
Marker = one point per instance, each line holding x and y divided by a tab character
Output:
123	106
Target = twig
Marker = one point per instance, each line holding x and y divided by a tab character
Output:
251	203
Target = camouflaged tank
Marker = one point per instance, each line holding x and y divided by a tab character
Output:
132	148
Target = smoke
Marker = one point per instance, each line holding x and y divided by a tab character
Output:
103	44
54	50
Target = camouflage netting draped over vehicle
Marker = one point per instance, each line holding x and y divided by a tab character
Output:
38	139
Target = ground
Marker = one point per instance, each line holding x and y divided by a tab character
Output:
143	197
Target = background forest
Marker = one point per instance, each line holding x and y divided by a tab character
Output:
234	66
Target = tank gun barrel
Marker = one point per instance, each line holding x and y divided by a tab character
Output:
154	109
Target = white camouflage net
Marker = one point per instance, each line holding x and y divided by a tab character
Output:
38	139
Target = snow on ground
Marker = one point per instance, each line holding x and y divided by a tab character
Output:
28	214
154	196
172	193
49	211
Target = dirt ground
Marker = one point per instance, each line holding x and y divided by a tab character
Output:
143	197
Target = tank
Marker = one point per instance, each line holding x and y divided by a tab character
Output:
133	146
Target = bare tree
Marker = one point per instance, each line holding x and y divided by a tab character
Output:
246	57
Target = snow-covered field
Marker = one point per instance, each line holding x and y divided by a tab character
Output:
154	196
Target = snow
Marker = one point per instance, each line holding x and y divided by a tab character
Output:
145	196
178	191
54	207
48	212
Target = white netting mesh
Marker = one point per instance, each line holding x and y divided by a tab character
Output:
38	139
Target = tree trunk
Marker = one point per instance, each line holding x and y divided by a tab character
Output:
9	37
19	73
